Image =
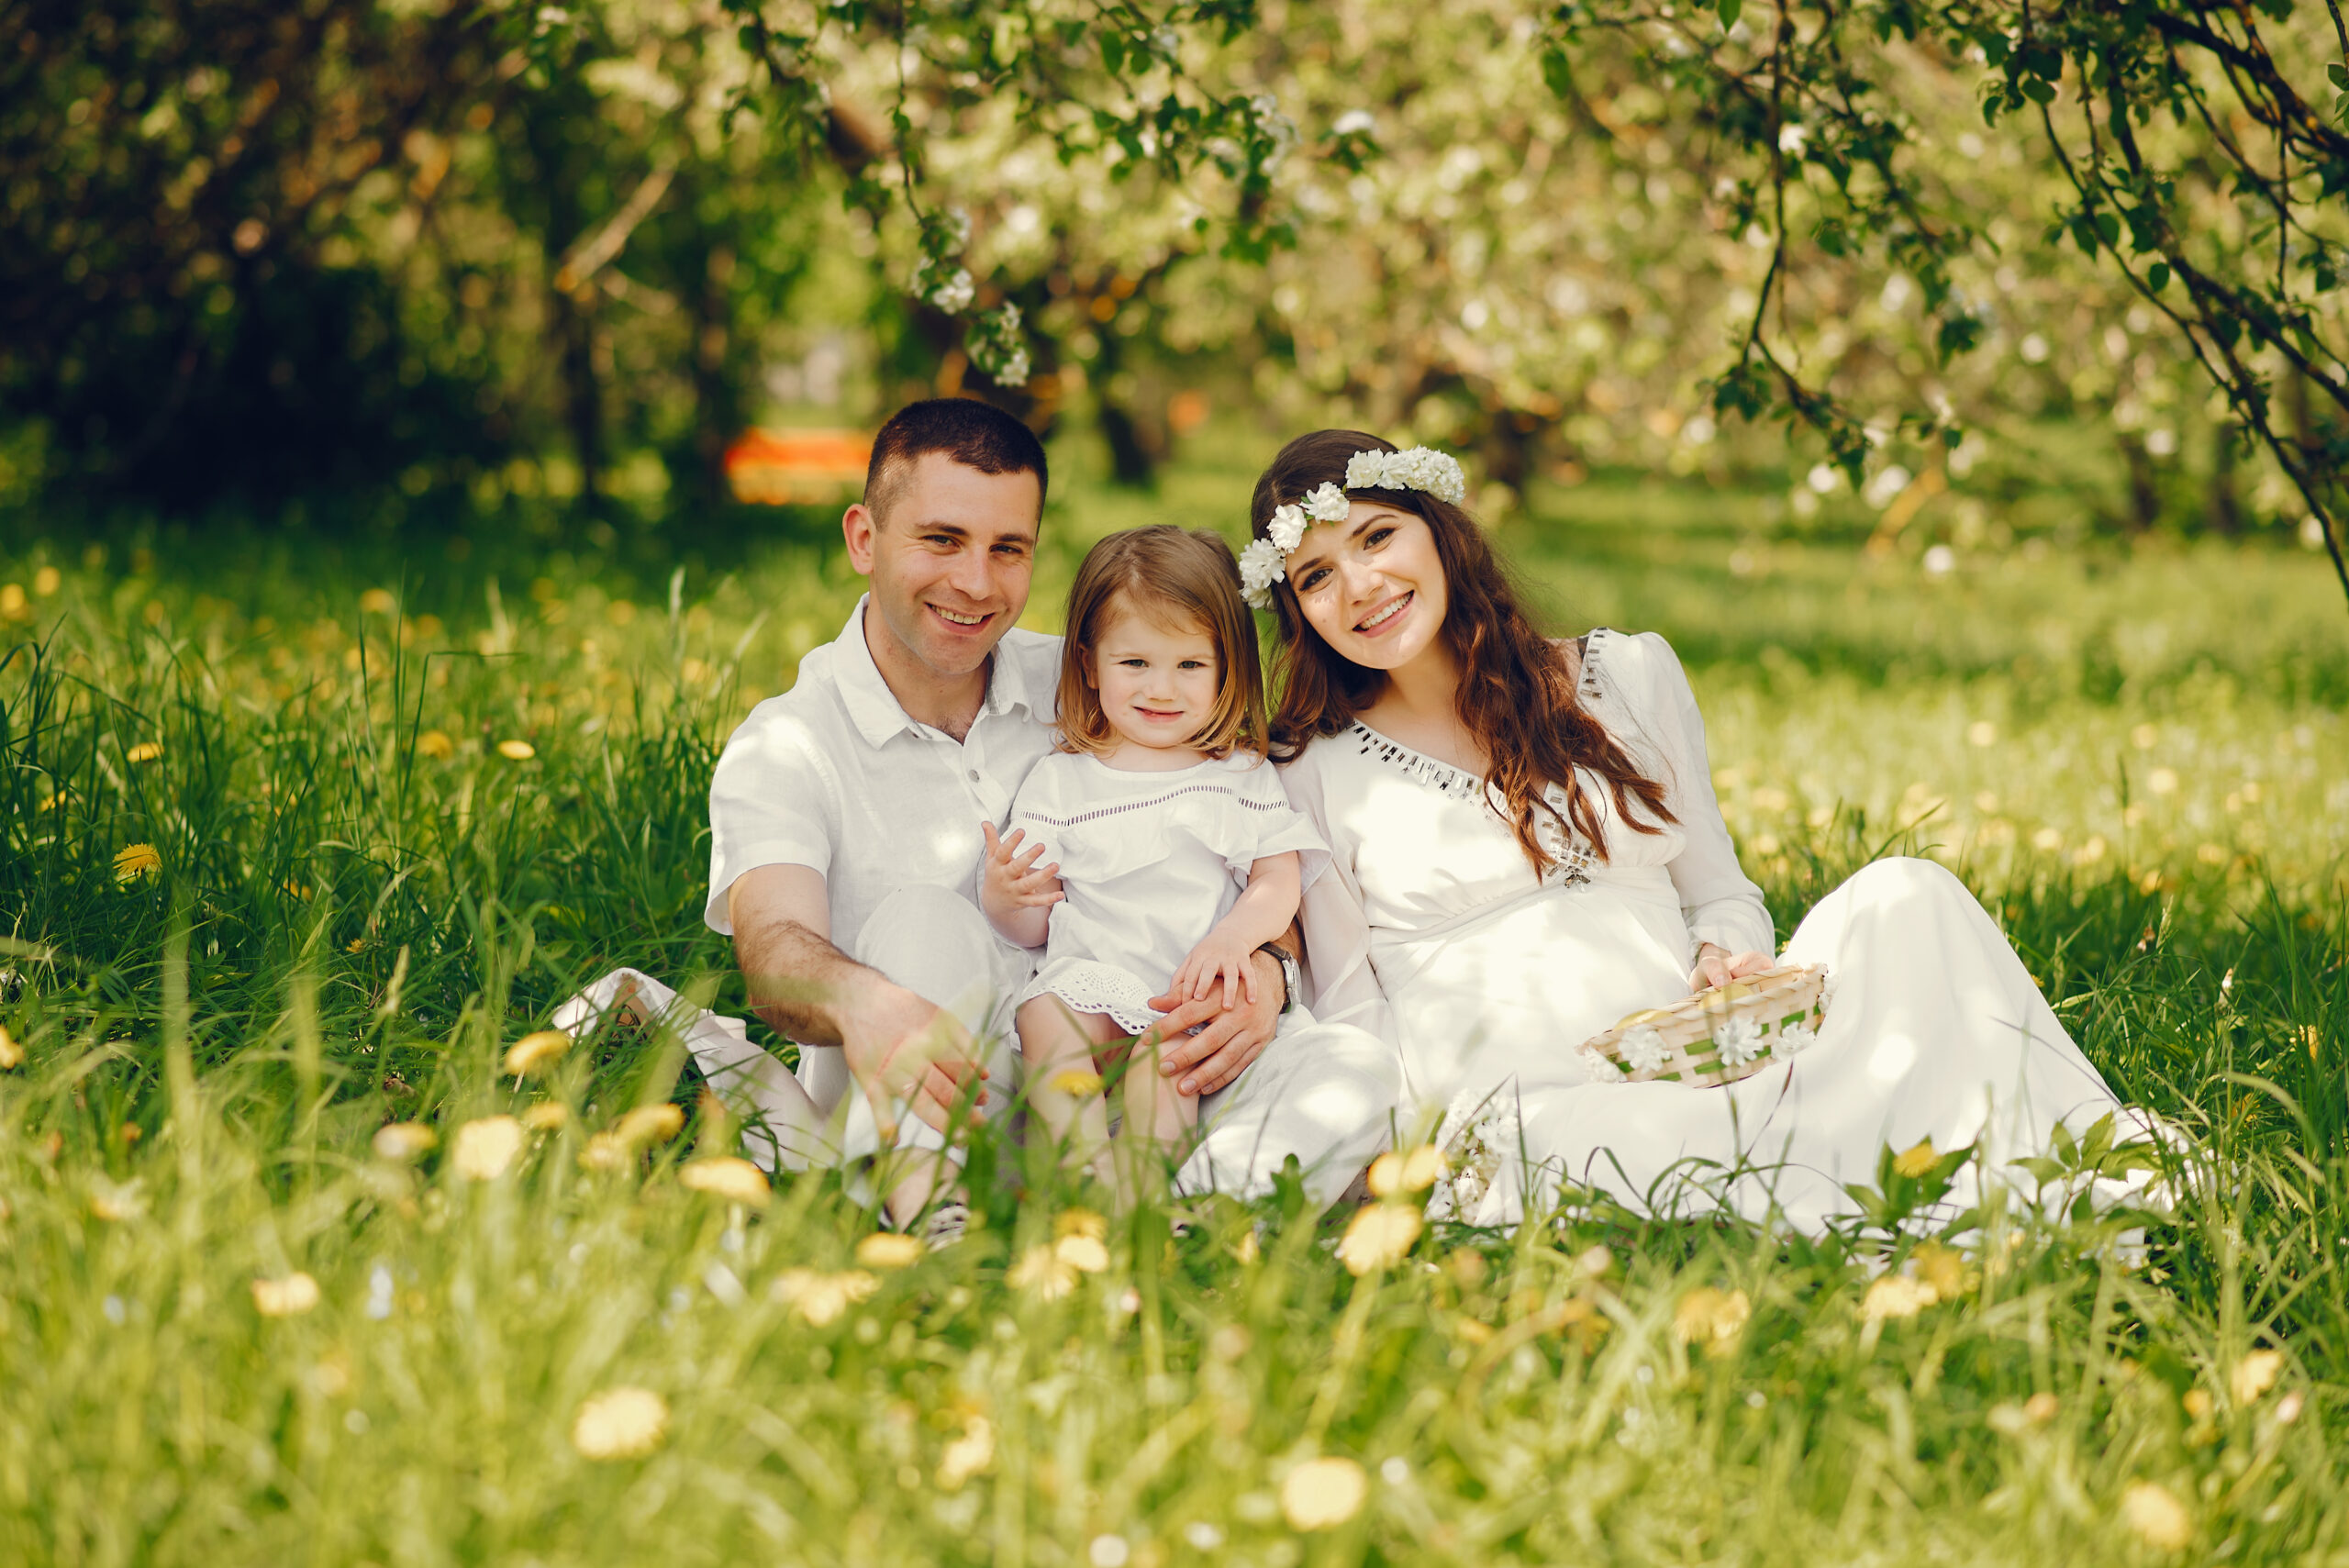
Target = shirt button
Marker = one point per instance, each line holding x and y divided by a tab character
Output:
974	775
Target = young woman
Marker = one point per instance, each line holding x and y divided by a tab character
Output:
1526	848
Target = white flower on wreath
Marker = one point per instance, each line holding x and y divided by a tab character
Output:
1417	468
1795	1039
1260	565
1738	1040
1643	1050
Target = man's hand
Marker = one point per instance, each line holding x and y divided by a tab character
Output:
1232	1037
901	1049
1715	967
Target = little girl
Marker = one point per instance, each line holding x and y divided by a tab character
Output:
1174	853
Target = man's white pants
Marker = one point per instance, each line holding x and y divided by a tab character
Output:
1322	1092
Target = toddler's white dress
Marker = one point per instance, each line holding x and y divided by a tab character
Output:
1149	864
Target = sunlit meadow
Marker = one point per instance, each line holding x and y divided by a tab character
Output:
302	847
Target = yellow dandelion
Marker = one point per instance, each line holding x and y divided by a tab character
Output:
401	1141
1322	1494
135	860
378	601
435	744
1710	1318
46	581
647	1125
620	1423
888	1250
547	1116
1247	1249
287	1297
729	1177
967	1455
1895	1295
1076	1083
1080	1222
1918	1160
2256	1374
485	1148
356	944
1943	1268
533	1051
145	752
11	1054
1043	1272
820	1298
1379	1237
117	1202
2197	1402
2041	1408
2153	1512
1083	1253
1399	1174
606	1151
516	750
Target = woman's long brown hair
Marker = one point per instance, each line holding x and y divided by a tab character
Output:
1516	697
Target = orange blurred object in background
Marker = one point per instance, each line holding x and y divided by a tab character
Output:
775	467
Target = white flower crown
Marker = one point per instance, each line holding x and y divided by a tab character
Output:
1421	468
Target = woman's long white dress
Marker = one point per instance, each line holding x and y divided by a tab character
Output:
1433	930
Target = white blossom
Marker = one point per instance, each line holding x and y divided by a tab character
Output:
1739	1040
1600	1065
1287	527
1355	122
1260	567
1418	468
1327	503
1795	1039
1643	1050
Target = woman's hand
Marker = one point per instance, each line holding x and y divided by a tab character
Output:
1715	967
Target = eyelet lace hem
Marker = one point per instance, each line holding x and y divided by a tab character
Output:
1091	987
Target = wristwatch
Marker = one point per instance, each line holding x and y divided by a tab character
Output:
1292	977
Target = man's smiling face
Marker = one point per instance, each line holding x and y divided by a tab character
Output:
950	554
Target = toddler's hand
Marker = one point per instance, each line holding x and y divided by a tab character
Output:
1013	880
1219	957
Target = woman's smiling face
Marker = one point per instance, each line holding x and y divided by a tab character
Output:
1371	585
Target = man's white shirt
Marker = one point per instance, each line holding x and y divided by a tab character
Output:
834	775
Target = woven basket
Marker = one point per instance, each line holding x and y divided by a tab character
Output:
1719	1036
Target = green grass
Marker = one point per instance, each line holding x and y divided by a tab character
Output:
2136	758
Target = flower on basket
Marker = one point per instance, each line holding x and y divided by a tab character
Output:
1643	1050
1603	1068
1795	1039
1738	1040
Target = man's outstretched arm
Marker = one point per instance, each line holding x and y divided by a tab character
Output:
898	1046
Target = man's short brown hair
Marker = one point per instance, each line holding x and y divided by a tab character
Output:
974	434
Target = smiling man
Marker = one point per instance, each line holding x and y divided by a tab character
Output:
846	839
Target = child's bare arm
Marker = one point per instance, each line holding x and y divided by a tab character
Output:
1016	894
1264	910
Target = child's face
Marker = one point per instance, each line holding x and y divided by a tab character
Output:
1158	686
